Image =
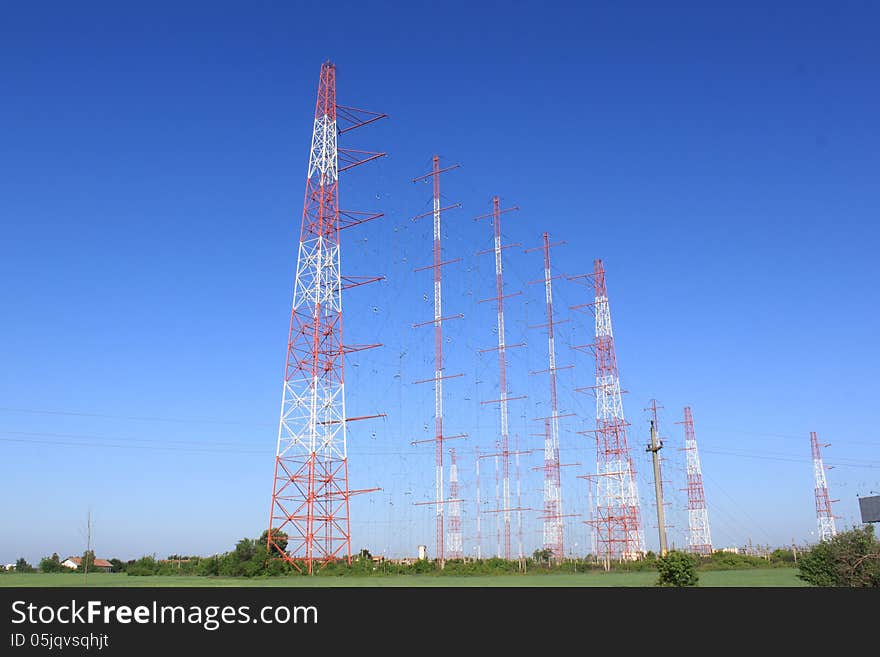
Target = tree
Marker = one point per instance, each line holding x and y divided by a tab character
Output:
145	566
22	566
279	538
118	566
677	569
51	564
782	555
543	556
245	549
248	559
850	559
88	561
209	566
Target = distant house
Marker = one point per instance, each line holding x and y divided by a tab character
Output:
101	565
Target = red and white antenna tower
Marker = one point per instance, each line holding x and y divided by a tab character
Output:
479	507
519	523
436	212
456	549
824	516
503	506
552	516
499	509
699	537
310	492
617	520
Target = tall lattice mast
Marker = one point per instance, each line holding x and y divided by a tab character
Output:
699	537
436	213
552	516
617	519
479	515
497	511
309	518
503	505
824	516
519	506
456	549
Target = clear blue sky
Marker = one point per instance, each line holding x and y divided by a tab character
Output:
722	161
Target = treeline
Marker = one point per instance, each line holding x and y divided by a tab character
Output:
851	558
250	558
52	564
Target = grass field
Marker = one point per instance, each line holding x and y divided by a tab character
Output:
757	577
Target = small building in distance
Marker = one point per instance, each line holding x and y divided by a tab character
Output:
100	565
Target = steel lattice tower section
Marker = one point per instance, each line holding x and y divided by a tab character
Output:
310	493
504	506
456	547
552	516
824	516
699	536
436	213
617	519
479	504
519	507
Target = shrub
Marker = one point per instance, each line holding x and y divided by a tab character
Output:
144	566
732	561
850	559
22	566
51	564
782	556
677	569
209	566
422	566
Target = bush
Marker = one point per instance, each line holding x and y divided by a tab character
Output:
209	566
143	567
22	566
637	565
850	559
732	561
51	564
677	569
782	556
422	566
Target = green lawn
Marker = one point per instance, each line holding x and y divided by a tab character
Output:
757	577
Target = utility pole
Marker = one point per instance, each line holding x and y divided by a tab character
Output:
88	546
654	447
